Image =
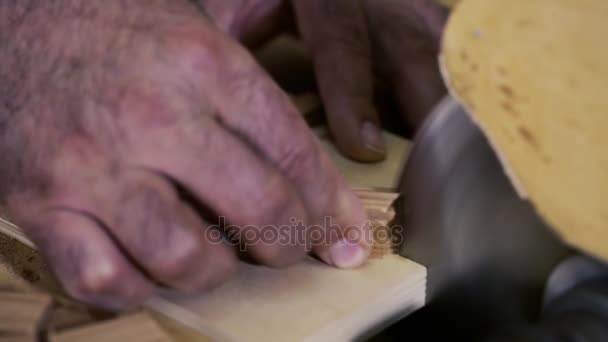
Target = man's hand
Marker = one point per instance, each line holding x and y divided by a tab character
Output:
107	108
356	44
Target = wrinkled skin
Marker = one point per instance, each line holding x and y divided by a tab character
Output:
107	109
354	45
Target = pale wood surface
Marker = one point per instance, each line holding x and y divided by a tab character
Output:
383	175
139	327
533	74
309	301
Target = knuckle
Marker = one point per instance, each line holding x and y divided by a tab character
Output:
299	158
104	278
222	270
177	260
198	47
274	203
146	112
213	269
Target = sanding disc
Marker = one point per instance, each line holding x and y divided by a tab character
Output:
534	75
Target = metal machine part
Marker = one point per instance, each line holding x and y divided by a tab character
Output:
570	274
489	255
575	308
464	220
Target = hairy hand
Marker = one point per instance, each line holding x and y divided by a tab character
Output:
355	45
108	107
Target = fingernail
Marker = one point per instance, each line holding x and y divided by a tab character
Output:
372	137
346	254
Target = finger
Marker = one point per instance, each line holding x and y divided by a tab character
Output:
252	106
163	235
143	216
250	22
336	33
407	37
230	178
418	88
87	262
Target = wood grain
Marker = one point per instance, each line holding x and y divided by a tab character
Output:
309	301
380	176
139	327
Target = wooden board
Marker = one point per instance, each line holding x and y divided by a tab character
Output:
382	175
307	302
133	328
533	74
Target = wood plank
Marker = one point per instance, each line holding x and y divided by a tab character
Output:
380	216
139	327
178	331
376	194
307	302
382	175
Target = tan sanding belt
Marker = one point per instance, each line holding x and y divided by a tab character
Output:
534	74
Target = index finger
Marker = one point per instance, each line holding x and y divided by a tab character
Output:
252	105
336	33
